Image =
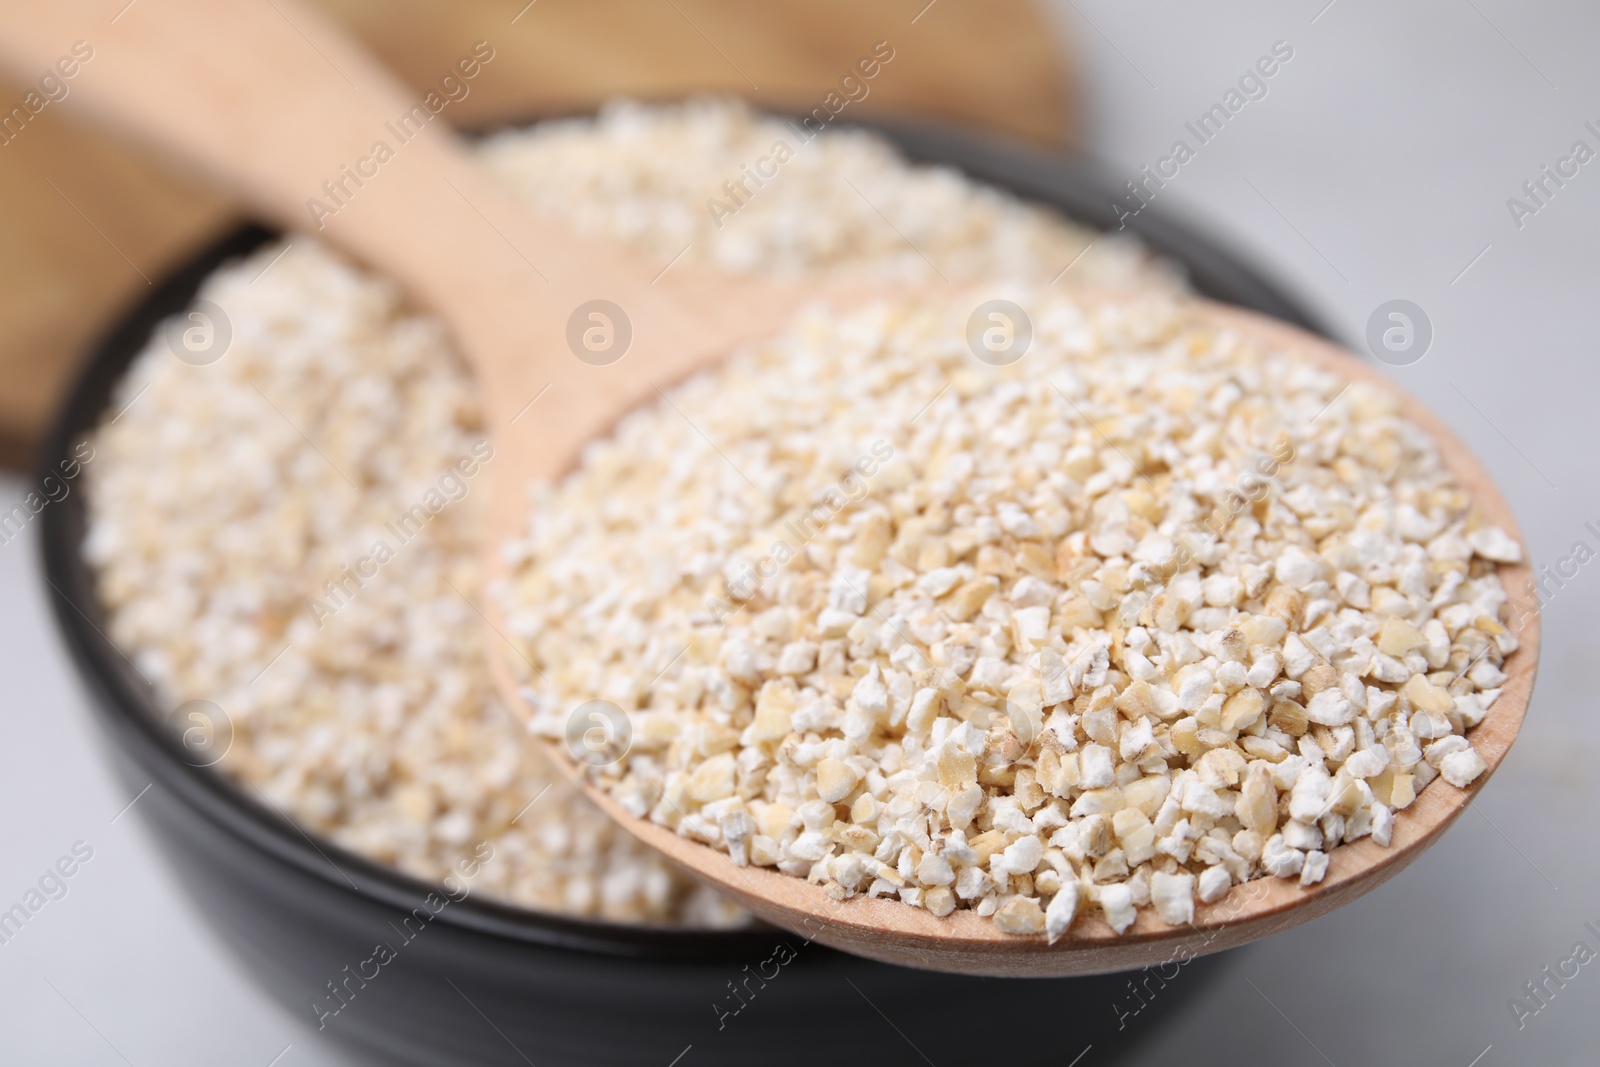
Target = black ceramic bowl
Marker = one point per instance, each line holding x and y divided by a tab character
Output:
484	983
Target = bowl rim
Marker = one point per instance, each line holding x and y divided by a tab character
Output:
1072	185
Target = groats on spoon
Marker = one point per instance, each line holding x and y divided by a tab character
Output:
966	942
275	102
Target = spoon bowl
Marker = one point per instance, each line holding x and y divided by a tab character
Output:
963	942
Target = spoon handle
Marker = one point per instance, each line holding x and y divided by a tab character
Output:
273	100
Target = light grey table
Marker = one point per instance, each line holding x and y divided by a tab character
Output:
1377	166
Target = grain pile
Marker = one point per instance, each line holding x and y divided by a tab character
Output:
845	205
235	506
1149	613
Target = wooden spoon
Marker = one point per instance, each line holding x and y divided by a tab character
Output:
964	942
276	102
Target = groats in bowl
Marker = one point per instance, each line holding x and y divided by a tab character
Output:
308	913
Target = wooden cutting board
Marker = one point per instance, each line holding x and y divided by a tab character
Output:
89	223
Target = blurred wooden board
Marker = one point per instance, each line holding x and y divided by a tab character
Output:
88	221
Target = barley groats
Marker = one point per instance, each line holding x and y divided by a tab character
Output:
1149	613
291	532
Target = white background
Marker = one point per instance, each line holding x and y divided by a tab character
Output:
1378	166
